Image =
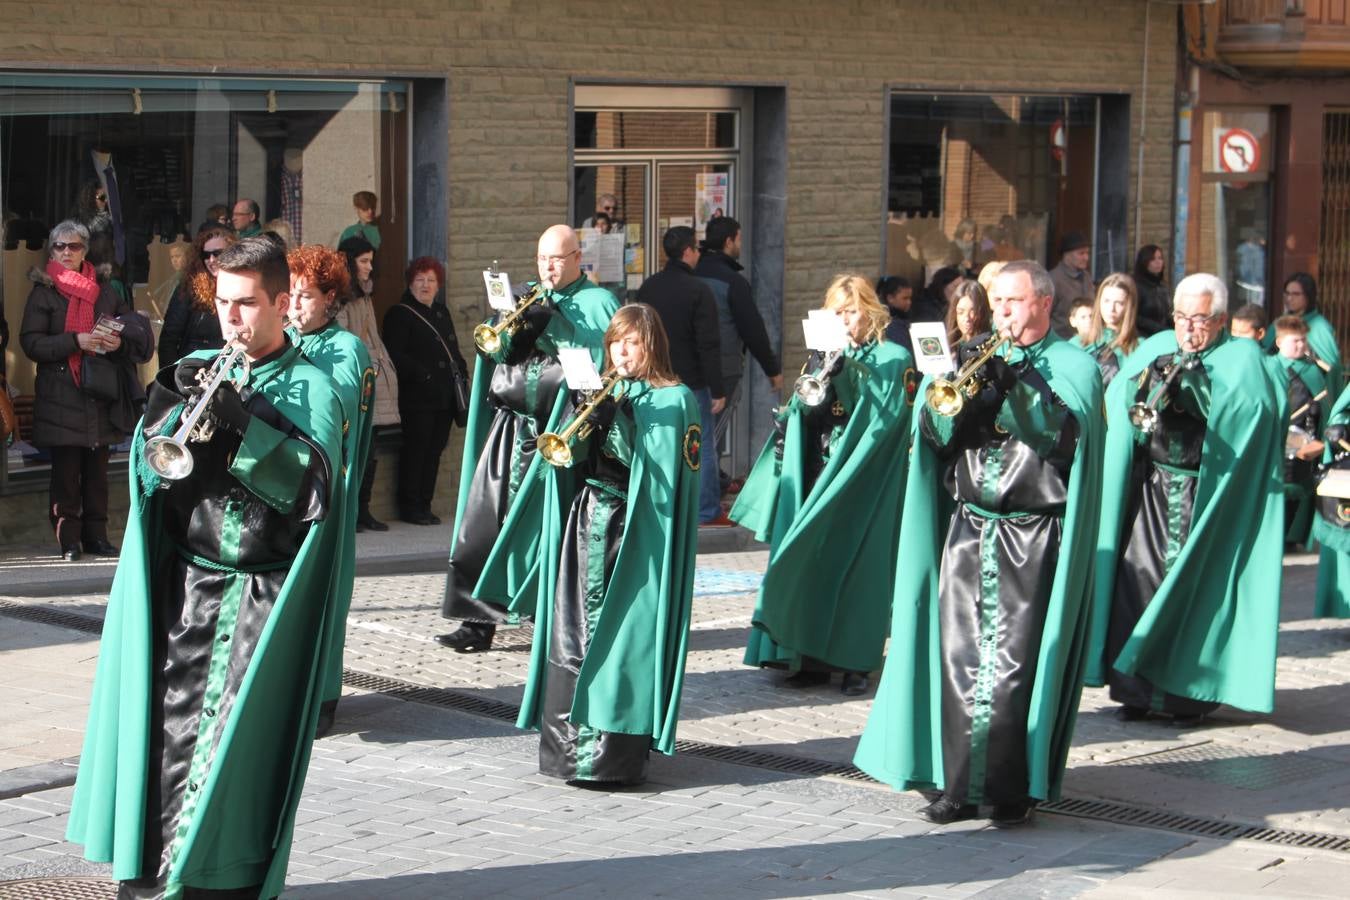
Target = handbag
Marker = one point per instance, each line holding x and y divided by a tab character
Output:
458	383
100	378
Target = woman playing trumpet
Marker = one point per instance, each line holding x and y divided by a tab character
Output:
828	486
616	580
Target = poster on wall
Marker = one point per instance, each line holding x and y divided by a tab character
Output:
710	198
602	255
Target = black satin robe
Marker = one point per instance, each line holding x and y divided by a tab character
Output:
591	538
219	529
998	568
1158	523
523	395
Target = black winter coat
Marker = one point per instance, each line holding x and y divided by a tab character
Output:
187	328
688	310
63	414
424	373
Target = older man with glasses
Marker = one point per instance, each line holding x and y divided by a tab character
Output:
518	393
1188	574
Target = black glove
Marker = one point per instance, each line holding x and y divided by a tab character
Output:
968	350
1334	435
602	417
1158	372
227	409
536	316
185	375
1001	374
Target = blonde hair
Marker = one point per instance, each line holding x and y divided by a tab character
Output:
1127	335
851	290
989	273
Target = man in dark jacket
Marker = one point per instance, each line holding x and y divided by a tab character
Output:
739	323
689	313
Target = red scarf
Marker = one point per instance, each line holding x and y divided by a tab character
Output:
81	292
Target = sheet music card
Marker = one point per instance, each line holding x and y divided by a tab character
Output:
499	290
932	353
579	369
824	331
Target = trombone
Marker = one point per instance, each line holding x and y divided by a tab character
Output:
488	338
947	397
168	456
556	448
1144	414
811	387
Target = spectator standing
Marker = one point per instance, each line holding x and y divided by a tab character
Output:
358	317
969	315
81	409
246	218
367	207
932	302
607	204
688	311
1071	278
897	295
216	214
421	341
1155	298
190	321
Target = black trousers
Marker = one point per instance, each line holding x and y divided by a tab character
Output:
79	494
425	434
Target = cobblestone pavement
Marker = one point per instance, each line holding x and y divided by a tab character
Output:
434	802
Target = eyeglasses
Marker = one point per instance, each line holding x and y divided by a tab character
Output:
1193	321
609	208
211	254
556	260
101	198
62	246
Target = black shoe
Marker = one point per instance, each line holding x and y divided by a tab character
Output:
854	685
70	554
471	637
366	522
805	679
1010	815
944	811
1188	721
100	548
1131	714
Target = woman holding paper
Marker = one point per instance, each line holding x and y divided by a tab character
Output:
616	580
826	494
86	341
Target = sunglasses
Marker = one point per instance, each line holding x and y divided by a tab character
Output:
211	254
62	246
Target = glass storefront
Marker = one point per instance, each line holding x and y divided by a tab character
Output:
164	150
980	177
1233	212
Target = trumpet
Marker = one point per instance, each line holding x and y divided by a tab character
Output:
556	448
488	338
169	456
947	397
811	387
1144	414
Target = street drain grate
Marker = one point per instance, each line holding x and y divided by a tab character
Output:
68	888
1230	767
45	616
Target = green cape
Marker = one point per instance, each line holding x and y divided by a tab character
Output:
508	576
1333	565
1322	340
1209	632
631	679
834	609
342	356
282	685
1297	527
902	743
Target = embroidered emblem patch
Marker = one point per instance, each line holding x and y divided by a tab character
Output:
367	388
911	385
693	447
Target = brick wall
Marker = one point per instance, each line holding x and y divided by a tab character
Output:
509	65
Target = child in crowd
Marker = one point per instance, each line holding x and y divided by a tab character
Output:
1306	416
367	207
1249	322
1080	317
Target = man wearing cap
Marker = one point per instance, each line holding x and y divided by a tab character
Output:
1071	278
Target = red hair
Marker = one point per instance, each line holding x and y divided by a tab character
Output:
425	264
323	268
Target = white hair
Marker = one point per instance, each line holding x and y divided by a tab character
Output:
1202	284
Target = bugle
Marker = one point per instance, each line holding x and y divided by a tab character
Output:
947	397
812	387
488	338
556	448
1144	413
168	456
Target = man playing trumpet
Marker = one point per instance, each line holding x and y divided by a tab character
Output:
516	396
210	672
981	681
1187	589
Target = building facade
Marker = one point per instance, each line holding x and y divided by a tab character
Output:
858	136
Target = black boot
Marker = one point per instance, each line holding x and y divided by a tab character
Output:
364	520
471	637
944	811
854	684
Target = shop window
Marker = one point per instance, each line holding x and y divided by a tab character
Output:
177	146
976	178
1234	209
645	129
